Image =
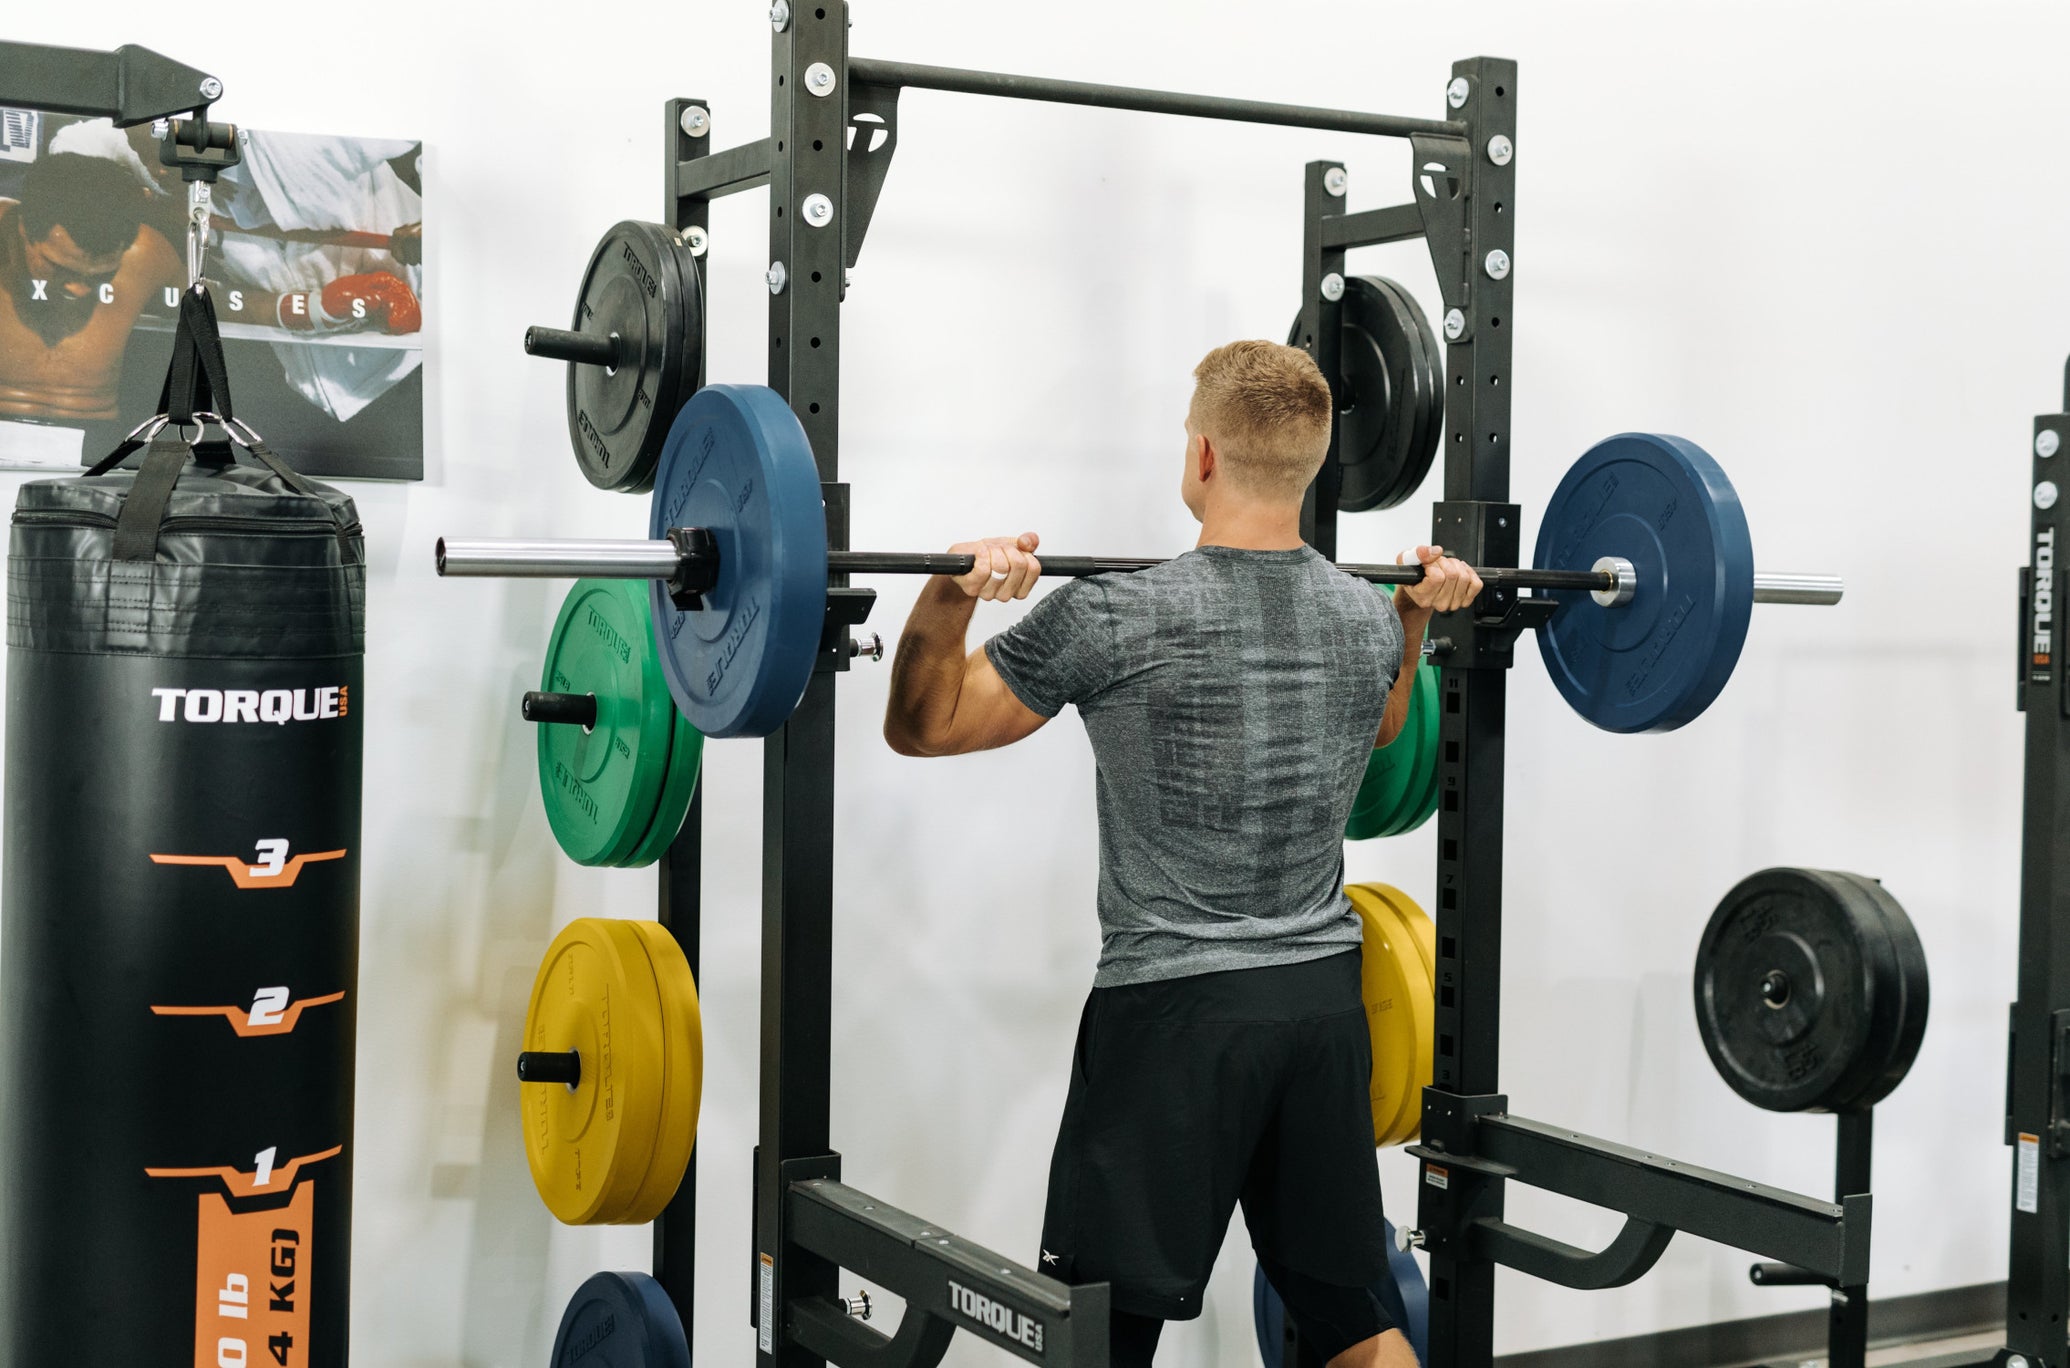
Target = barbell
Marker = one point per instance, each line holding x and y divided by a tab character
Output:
736	553
689	561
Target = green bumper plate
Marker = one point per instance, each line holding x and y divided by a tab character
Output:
1399	791
609	789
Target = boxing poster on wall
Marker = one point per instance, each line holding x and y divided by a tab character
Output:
315	262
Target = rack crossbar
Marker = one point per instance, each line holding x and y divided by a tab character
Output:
908	75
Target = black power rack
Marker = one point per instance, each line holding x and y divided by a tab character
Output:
834	128
2037	1065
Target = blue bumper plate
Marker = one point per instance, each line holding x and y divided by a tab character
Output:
621	1320
1402	1293
1656	662
737	463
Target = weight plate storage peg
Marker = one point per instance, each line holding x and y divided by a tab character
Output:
1811	990
611	1072
1397	983
738	465
1390	398
620	1320
1655	661
617	762
634	352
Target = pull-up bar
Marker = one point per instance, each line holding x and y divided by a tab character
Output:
865	71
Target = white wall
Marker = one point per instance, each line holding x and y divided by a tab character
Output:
1824	241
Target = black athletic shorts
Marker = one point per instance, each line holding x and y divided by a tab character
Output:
1190	1095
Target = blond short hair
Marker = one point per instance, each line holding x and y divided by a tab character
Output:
1267	409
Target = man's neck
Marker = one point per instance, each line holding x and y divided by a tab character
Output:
1252	529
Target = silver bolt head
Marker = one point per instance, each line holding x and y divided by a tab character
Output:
697	120
1500	150
1455	325
1456	93
160	127
1497	264
819	210
1333	286
775	277
699	240
779	16
2016	1361
2047	443
2045	494
211	88
819	79
1334	180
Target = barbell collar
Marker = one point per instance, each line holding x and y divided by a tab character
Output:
690	561
584	349
1625	582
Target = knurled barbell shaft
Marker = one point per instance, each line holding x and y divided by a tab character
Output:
558	344
661	560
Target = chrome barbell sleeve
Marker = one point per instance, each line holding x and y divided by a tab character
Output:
515	559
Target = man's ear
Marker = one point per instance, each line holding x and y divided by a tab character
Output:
1207	457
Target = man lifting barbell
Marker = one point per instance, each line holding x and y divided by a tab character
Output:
1232	696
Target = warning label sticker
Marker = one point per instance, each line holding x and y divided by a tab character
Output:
1441	1179
2027	1185
251	1303
766	1321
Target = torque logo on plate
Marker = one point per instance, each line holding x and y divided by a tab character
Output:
274	870
273	1012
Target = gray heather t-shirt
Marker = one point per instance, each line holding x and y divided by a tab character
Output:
1232	698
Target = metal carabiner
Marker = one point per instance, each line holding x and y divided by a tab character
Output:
199	202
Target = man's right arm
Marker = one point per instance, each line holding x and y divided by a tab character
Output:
1414	623
1447	586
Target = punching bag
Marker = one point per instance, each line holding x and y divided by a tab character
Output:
178	931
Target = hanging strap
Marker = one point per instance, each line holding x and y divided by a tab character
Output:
197	381
196	394
136	527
